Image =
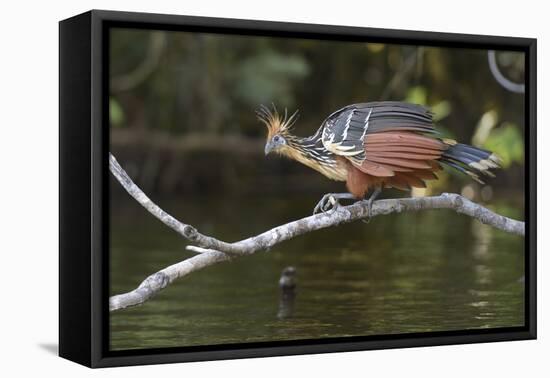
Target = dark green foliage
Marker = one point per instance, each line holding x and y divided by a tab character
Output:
167	85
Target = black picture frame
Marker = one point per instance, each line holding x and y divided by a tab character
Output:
84	174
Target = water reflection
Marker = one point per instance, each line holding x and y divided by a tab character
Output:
287	284
401	273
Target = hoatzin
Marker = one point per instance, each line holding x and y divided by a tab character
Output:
372	146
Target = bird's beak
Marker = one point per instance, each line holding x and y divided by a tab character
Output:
268	148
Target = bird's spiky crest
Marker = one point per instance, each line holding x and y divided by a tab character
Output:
276	124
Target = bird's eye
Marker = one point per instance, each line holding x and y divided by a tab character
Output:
276	138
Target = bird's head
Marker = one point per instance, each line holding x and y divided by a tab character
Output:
278	127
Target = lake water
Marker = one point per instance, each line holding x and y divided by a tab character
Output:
401	273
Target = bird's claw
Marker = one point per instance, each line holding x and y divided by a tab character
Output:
369	209
328	203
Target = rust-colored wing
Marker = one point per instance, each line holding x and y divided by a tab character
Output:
391	140
345	131
412	158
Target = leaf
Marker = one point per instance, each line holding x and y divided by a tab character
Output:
441	110
116	113
375	48
417	95
486	124
507	142
270	75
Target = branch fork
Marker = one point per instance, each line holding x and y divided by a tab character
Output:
211	251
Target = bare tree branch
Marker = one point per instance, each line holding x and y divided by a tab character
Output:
212	251
185	230
159	280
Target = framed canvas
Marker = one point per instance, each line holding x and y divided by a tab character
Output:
188	181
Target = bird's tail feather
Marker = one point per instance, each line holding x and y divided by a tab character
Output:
470	160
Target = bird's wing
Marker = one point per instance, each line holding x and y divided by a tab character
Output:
381	138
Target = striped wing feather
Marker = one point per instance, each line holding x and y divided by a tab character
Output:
401	152
344	131
404	139
405	163
374	169
385	140
413	180
398	182
411	157
405	155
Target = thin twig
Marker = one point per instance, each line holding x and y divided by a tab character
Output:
212	251
400	75
185	230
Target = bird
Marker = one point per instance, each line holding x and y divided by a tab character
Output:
374	146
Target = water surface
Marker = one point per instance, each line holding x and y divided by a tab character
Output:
401	273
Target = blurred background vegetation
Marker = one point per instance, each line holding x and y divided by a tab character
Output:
182	106
183	124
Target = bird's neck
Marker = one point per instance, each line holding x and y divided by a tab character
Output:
297	148
300	143
310	152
